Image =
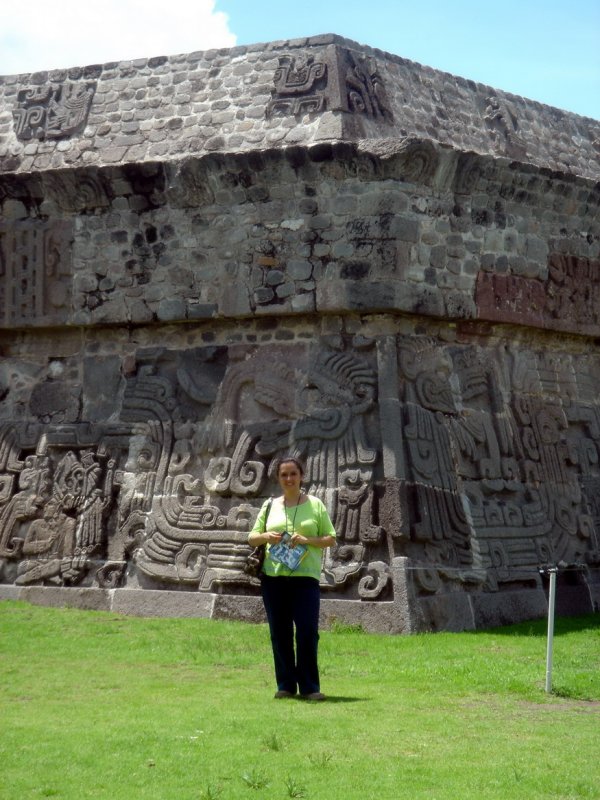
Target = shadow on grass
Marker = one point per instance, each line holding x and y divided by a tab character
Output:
331	698
336	698
539	627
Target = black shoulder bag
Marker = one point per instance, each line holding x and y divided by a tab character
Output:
255	560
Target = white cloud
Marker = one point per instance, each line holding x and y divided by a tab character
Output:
38	35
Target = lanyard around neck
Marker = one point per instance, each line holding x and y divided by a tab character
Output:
285	511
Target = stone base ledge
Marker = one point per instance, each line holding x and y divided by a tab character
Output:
376	617
439	612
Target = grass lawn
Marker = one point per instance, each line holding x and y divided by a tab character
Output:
97	705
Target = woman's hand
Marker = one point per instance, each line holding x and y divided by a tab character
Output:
268	537
297	538
321	542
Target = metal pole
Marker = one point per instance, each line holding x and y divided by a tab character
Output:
551	602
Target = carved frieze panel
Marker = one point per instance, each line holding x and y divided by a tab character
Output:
204	506
337	80
53	524
500	452
299	86
77	192
568	300
574	291
503	126
35	273
416	160
515	299
362	86
501	456
61	544
52	111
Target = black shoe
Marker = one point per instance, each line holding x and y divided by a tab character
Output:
282	694
315	697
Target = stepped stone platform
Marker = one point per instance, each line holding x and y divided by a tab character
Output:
309	247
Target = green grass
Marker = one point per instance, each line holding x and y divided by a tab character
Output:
95	705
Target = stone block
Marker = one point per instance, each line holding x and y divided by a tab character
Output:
285	290
264	295
299	270
513	606
88	599
304	303
536	249
171	310
234	300
201	310
404	228
161	603
10	592
438	257
362	295
14	209
101	384
444	612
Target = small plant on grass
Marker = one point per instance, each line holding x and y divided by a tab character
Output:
211	792
293	788
320	760
337	626
255	779
273	742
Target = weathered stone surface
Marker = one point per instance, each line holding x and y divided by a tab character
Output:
296	92
196	280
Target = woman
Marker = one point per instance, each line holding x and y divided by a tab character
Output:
296	529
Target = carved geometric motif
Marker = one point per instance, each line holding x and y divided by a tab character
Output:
35	271
299	86
501	461
511	297
52	111
504	128
194	519
365	90
568	300
341	81
499	450
54	525
573	290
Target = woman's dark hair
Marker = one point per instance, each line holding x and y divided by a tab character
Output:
291	460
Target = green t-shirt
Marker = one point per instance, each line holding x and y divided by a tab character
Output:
309	519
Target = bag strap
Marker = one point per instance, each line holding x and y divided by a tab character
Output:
269	504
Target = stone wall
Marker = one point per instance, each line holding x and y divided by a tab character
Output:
310	247
286	93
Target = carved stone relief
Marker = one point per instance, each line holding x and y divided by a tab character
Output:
52	111
340	80
300	82
53	528
500	473
501	454
205	503
504	128
166	495
568	300
364	87
35	271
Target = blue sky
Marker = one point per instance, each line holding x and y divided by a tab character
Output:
547	50
542	49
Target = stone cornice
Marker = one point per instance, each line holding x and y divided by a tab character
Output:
280	94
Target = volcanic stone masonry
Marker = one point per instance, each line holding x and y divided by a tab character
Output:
308	247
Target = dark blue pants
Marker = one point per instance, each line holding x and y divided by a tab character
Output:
293	602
